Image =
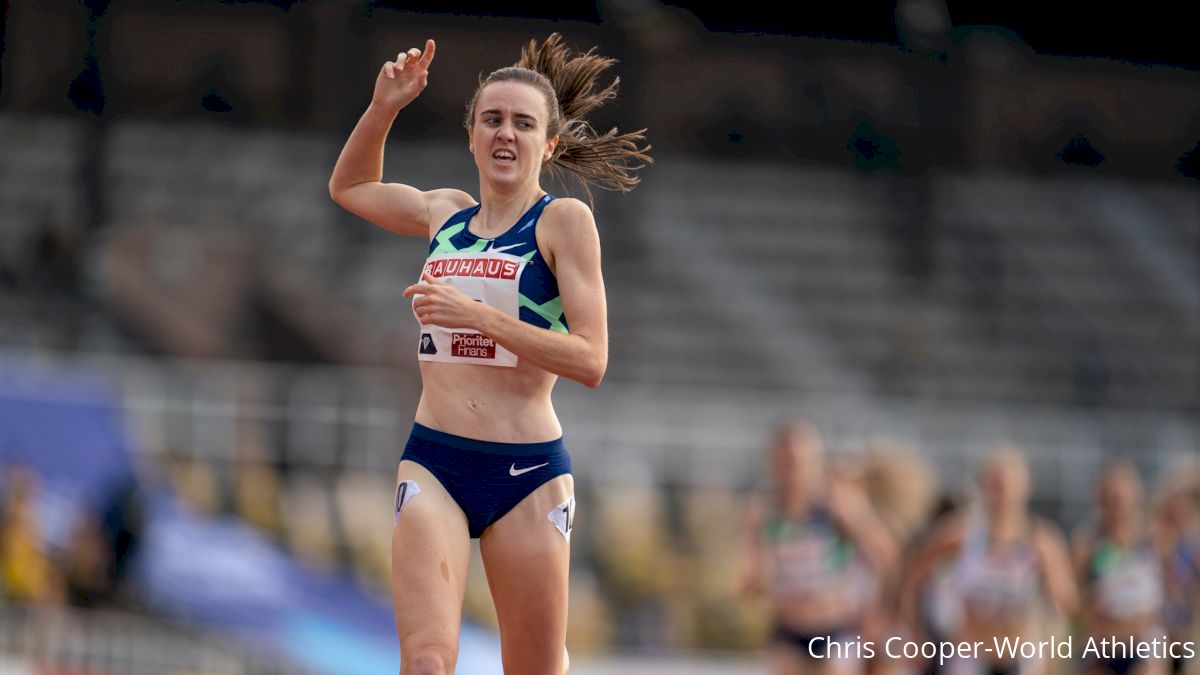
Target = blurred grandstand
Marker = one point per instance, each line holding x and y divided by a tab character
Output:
943	239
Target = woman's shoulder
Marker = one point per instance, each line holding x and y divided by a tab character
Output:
568	212
444	203
1046	528
567	224
1049	540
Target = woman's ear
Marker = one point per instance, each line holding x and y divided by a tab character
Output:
550	145
471	140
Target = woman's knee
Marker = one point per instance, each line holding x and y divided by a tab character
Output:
427	660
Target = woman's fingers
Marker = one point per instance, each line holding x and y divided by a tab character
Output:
412	56
403	59
424	307
427	57
426	285
415	289
416	56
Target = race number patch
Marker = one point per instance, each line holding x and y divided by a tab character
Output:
405	491
563	517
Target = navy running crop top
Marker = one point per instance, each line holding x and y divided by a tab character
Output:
508	273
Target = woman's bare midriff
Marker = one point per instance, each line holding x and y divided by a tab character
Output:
1136	627
489	403
816	612
988	630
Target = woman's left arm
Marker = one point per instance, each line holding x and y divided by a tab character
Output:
1058	573
573	244
852	510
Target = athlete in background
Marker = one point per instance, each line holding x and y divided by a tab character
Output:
1118	567
1006	569
818	549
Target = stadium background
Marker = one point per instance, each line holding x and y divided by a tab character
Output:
923	226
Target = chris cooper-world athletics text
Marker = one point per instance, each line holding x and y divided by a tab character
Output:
1001	648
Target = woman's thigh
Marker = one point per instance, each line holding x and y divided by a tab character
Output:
430	556
526	554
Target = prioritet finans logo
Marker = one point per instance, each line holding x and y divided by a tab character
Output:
472	345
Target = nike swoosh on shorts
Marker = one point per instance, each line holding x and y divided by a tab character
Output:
514	471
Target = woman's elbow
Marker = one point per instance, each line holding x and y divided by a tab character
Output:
336	191
593	373
1069	602
592	378
887	558
340	189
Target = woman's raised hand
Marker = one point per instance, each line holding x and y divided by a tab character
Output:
402	80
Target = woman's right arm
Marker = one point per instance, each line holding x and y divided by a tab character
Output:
356	184
755	563
945	539
1058	572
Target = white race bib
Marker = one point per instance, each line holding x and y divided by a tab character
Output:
488	277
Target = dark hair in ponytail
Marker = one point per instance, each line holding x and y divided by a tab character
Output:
569	80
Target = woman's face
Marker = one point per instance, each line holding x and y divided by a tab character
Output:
798	461
1178	505
1120	491
509	135
1005	483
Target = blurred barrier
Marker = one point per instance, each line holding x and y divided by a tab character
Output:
120	643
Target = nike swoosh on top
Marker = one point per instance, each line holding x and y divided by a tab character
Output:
497	249
514	471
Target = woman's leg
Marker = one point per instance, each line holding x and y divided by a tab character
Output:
526	557
786	659
430	554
